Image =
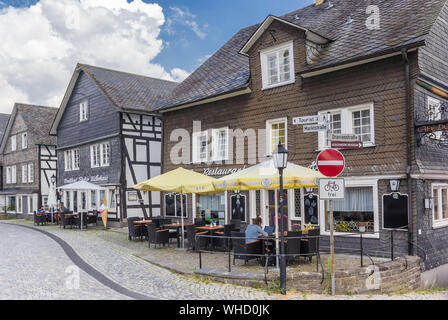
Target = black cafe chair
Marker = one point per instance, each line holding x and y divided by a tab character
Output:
292	245
133	230
245	251
157	237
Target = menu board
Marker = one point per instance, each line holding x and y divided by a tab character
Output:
395	211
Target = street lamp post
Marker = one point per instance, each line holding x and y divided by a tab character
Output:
280	157
53	181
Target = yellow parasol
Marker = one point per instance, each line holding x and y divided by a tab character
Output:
264	176
180	181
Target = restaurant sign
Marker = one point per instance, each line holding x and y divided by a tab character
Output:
221	171
433	128
92	179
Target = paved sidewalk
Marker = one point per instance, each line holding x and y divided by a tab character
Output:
119	263
33	266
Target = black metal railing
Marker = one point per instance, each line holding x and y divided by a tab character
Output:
362	251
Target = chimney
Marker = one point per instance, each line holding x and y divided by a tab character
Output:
319	2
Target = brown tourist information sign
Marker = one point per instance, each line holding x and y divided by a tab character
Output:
347	145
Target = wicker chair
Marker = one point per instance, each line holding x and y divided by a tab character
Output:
39	219
292	246
241	248
157	237
194	243
134	231
66	221
93	217
77	220
311	246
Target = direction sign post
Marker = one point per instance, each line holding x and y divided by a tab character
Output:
331	163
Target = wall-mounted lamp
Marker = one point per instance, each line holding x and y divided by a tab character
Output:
428	203
394	185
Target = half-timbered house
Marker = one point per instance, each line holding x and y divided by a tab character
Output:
29	158
108	134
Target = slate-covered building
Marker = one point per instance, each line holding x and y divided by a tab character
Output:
3	123
29	159
385	80
108	134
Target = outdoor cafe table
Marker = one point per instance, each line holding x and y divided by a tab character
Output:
142	222
177	227
210	231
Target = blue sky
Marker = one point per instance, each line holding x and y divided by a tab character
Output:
223	20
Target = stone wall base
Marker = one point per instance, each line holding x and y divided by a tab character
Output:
398	276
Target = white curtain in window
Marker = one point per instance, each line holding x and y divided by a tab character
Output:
356	200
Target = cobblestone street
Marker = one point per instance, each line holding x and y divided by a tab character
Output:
33	266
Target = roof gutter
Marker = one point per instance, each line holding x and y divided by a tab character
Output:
232	94
359	61
410	134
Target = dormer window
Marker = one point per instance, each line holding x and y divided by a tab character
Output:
277	66
83	111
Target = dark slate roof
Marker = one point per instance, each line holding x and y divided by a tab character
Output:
129	91
3	123
403	22
38	119
223	72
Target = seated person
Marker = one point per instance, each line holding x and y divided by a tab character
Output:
254	231
41	210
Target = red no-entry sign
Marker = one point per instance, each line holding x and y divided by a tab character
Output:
330	163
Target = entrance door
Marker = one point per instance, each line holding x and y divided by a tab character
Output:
24	205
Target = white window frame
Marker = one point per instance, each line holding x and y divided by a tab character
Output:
71	160
84	111
439	222
24	140
215	144
8	175
347	123
355	183
176	214
13	174
14	143
269	124
100	155
105	154
196	151
433	103
25	173
30	172
264	65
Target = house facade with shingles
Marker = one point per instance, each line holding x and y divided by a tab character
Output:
373	82
26	141
108	135
3	123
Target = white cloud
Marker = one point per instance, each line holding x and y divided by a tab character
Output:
42	44
185	18
179	75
